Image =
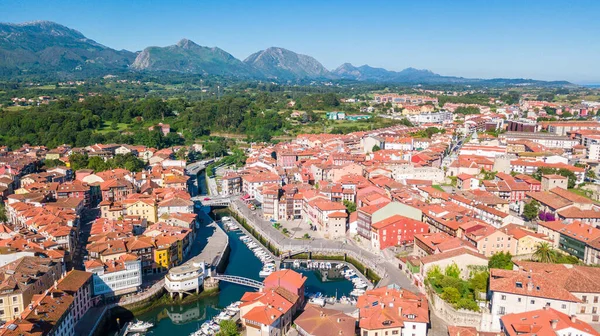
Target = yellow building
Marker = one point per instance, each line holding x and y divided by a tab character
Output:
168	252
526	240
144	208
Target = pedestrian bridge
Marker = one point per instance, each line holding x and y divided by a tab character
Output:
213	201
239	280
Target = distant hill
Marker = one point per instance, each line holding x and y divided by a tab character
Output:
55	51
44	46
371	74
281	63
187	56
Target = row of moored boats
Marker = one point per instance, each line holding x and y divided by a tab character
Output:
212	327
262	254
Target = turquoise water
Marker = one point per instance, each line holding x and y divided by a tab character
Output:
185	319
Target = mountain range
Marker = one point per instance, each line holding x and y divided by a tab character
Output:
44	47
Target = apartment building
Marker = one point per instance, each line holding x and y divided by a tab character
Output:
21	280
116	277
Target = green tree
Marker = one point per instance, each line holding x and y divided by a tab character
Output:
228	328
479	281
450	295
544	253
78	161
590	174
562	172
96	164
434	272
531	210
375	148
452	271
501	260
350	206
3	217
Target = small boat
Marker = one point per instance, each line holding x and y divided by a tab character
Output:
223	316
318	301
349	274
197	333
267	270
328	265
322	265
215	327
339	266
296	264
360	285
344	300
140	326
225	219
357	292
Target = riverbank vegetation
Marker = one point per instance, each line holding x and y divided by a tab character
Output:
452	288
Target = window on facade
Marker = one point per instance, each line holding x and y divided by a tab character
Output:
519	300
532	302
16	309
582	310
503	297
501	310
14	299
564	306
595	299
584	299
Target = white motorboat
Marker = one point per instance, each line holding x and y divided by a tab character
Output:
215	327
350	273
266	271
328	265
360	285
357	292
296	264
223	316
225	219
318	301
140	326
322	265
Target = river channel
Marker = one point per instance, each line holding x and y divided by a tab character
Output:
185	319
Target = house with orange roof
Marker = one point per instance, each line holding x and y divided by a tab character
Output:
525	239
328	216
487	239
439	242
318	321
569	289
392	311
267	313
116	190
545	321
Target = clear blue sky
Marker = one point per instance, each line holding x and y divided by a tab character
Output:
485	38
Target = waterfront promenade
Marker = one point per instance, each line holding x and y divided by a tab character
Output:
386	268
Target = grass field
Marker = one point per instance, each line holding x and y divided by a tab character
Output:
16	108
107	128
43	87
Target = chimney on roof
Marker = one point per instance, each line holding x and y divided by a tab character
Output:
554	323
573	318
400	310
530	286
37	312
